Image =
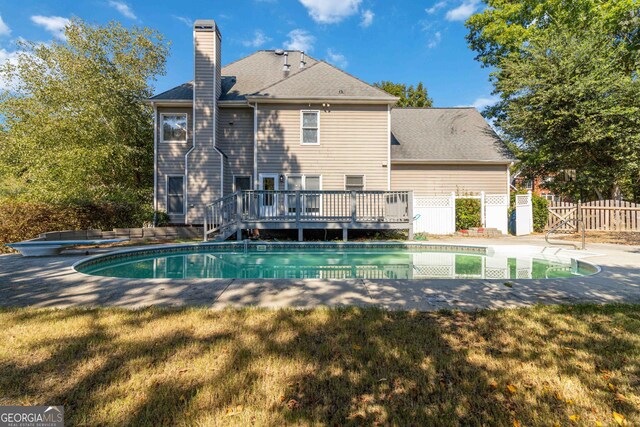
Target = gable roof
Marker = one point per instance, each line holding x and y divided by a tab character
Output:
260	75
444	134
323	81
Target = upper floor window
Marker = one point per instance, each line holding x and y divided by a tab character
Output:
174	127
310	127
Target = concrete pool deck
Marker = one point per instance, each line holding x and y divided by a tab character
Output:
51	282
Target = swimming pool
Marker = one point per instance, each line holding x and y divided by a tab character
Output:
331	261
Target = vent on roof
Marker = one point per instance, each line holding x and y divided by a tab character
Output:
279	52
302	63
286	65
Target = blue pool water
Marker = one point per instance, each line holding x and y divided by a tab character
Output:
334	264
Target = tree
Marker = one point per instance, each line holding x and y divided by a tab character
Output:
506	26
409	96
571	104
566	73
74	124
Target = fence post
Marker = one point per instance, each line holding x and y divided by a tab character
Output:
410	211
530	211
453	212
482	213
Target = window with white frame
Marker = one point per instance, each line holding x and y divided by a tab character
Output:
175	195
310	127
310	202
174	127
354	182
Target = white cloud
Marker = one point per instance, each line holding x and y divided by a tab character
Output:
299	40
186	21
337	59
435	40
367	18
331	11
436	7
4	28
483	102
259	38
124	9
464	11
7	56
53	24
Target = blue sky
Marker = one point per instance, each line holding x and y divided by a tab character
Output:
403	41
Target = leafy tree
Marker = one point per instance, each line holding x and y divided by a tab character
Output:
567	75
506	26
409	96
74	127
571	104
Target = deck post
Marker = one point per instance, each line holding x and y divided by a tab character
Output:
300	235
205	224
298	209
345	234
238	215
353	207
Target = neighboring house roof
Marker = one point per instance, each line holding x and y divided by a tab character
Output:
261	75
438	135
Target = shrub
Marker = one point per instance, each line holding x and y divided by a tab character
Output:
467	214
26	220
540	213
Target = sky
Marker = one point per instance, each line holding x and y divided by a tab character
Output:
404	41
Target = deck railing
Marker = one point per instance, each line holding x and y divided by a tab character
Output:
244	209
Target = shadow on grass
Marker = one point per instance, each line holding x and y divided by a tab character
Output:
338	366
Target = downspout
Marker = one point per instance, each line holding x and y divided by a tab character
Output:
155	163
388	147
255	144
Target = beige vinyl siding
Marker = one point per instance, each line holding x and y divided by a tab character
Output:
429	180
171	157
204	162
353	141
235	139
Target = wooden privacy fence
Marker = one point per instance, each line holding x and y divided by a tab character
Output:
599	215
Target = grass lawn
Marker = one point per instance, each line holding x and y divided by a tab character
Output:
538	366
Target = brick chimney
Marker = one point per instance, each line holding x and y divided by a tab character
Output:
204	161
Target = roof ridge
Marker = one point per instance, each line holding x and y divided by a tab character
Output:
434	108
288	77
357	78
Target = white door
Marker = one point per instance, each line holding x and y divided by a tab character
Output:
269	200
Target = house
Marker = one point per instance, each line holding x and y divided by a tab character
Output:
282	121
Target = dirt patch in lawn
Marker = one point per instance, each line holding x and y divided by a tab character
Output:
535	366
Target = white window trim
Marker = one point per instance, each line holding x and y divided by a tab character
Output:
233	182
364	180
161	129
304	186
301	127
184	193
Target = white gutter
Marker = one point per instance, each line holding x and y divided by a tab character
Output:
255	144
449	162
388	147
155	162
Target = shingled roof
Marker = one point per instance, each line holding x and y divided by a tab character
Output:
261	75
444	134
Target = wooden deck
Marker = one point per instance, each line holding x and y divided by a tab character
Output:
242	210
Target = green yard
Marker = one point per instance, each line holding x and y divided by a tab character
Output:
539	366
